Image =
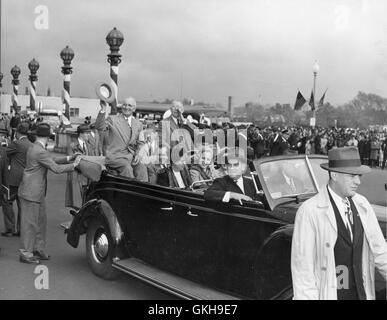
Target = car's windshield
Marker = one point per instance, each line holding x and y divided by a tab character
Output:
287	177
52	120
320	174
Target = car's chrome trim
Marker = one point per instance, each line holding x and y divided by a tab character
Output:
207	209
178	286
311	172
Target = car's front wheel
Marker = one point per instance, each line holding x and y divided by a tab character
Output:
100	249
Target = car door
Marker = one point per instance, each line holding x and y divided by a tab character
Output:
196	239
145	212
218	245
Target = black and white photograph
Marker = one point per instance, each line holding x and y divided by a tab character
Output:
210	150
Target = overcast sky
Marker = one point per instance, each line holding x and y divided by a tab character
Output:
249	49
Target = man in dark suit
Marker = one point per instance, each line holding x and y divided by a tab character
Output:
82	145
174	176
17	155
9	218
32	192
279	144
384	150
233	185
122	141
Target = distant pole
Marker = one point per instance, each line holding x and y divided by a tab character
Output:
181	86
230	107
1	85
316	69
67	55
1	74
33	66
15	71
114	39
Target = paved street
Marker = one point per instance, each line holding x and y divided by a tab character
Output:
69	274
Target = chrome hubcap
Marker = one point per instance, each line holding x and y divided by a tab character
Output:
100	246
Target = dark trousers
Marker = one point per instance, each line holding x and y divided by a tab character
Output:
14	196
9	216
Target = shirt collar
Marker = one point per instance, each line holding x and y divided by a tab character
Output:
44	147
337	199
129	119
239	182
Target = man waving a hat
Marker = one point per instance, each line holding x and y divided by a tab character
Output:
337	241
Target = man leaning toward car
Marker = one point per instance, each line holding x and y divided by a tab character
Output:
32	192
337	241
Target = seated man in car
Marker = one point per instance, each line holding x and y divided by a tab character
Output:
174	175
233	185
285	180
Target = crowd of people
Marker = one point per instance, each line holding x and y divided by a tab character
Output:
271	141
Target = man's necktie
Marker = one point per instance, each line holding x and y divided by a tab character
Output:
349	216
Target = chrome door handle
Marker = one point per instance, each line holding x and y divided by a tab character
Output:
167	208
189	212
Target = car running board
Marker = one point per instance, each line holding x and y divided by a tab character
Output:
166	281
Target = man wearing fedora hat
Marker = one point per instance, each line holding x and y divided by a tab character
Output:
82	145
32	192
337	241
17	155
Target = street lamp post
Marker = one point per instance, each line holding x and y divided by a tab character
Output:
15	71
316	69
67	55
114	39
1	85
33	66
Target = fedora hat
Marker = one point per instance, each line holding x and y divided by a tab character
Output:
42	130
82	128
105	92
345	160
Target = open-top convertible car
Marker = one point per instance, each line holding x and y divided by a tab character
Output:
176	240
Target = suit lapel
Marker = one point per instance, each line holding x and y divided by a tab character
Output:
324	203
233	185
249	187
342	228
357	226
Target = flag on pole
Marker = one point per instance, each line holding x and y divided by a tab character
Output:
321	102
300	101
311	101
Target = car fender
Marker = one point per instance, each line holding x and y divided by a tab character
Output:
282	233
94	208
273	262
